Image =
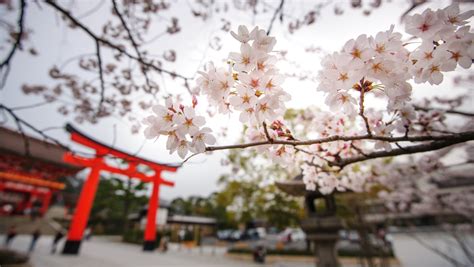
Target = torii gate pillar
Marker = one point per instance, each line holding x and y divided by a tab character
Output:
150	230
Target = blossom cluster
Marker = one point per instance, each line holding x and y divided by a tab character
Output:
383	63
314	162
251	84
183	127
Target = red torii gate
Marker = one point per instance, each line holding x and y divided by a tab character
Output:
97	164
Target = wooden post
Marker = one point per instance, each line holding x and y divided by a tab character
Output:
150	231
81	214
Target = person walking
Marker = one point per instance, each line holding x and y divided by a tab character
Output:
34	238
57	237
10	235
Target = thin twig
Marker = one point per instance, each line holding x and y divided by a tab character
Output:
16	45
30	106
104	41
28	125
361	109
26	142
437	251
449	111
358	149
278	10
101	77
267	135
132	40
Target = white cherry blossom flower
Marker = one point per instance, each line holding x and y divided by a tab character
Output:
358	49
244	99
188	122
341	101
424	25
263	42
451	15
243	34
246	59
202	138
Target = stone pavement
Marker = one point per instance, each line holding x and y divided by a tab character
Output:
103	251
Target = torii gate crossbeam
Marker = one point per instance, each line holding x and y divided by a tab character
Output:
89	188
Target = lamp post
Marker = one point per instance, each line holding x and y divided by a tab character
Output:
321	224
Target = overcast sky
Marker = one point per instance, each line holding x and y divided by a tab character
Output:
56	44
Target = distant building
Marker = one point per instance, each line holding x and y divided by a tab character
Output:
30	172
194	227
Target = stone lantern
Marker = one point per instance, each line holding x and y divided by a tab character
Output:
320	225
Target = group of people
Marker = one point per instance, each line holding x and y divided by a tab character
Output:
35	235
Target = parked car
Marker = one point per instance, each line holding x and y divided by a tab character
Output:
224	234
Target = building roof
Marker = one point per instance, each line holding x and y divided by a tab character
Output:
14	143
41	161
184	219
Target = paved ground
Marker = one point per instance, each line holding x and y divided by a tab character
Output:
105	252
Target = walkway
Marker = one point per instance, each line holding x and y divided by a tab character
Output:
100	251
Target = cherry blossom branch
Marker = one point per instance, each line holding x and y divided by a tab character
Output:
5	64
104	41
334	138
451	111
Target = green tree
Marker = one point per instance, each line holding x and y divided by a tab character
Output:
115	199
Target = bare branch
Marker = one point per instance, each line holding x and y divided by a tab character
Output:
26	142
5	64
278	10
132	40
449	111
358	149
101	77
435	145
19	120
437	251
108	43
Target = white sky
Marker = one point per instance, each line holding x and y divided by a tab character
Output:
56	44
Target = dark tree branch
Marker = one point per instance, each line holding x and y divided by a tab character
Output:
30	106
267	135
26	142
434	145
108	43
438	251
450	111
132	40
278	10
101	77
19	120
5	64
358	149
334	138
362	107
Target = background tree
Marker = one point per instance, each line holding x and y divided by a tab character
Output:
115	199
